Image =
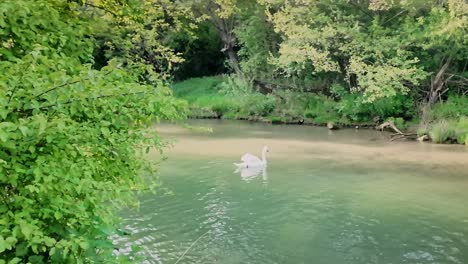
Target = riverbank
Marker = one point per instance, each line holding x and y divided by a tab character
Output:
222	97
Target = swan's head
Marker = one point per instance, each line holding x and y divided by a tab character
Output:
266	149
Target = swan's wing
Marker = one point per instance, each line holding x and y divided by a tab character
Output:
250	159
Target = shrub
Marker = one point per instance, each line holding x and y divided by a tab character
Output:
224	105
259	104
399	122
72	138
235	86
192	88
455	107
442	131
276	119
462	130
320	108
355	108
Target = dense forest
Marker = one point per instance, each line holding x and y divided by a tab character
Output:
81	82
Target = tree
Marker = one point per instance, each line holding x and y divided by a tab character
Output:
72	137
222	15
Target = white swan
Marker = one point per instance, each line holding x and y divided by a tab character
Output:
251	173
251	161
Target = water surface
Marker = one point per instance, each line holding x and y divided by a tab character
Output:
347	196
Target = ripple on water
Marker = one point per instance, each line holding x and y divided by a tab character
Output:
308	210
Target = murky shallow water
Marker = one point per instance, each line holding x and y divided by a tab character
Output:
326	197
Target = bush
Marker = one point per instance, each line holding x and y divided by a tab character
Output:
235	86
442	131
72	138
277	119
191	89
259	104
225	105
462	130
320	108
355	108
455	107
399	122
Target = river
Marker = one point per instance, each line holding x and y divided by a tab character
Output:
345	196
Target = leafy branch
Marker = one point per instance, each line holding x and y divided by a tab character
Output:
66	84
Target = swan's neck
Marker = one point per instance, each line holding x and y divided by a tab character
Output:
264	156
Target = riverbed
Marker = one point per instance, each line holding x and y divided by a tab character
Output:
345	196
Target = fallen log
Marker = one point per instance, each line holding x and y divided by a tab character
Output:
389	124
398	136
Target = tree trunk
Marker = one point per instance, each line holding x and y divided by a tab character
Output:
437	85
225	29
233	60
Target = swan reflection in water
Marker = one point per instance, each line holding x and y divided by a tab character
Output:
250	173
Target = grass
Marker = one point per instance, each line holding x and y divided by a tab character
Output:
193	88
461	130
204	97
442	131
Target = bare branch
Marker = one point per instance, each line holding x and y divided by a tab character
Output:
393	17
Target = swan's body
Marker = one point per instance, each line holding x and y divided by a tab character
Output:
251	173
252	161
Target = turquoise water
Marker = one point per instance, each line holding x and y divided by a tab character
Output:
342	197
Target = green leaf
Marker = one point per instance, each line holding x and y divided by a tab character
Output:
49	241
24	130
14	261
3	135
26	229
57	215
84	245
3	244
21	249
4	113
42	124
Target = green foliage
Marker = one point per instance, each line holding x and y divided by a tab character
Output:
258	104
379	50
277	119
321	109
201	52
341	61
48	24
461	130
235	86
454	107
355	108
193	88
139	33
204	93
234	98
256	40
72	138
442	131
227	96
399	122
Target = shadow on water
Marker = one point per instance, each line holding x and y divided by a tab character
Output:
346	197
